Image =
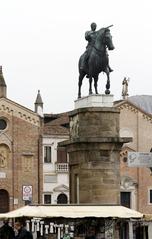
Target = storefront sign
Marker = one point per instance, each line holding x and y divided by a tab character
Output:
139	159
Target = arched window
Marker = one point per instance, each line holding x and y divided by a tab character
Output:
4	201
62	199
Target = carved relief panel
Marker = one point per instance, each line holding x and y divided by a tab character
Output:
4	156
74	127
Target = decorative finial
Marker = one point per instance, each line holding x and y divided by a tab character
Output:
3	87
38	98
39	104
125	88
0	69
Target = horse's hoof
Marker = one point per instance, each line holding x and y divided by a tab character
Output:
79	96
107	92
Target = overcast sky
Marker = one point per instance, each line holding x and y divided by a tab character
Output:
42	40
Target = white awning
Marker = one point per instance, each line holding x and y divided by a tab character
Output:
73	211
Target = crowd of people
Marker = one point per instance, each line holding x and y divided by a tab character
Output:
16	232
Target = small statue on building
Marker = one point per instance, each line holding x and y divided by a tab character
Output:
125	88
3	160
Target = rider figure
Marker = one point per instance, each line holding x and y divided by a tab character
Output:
90	36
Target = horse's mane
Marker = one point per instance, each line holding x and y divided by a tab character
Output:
100	33
101	30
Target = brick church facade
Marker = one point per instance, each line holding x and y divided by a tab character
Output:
33	169
20	154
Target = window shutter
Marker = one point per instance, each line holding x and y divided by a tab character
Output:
61	155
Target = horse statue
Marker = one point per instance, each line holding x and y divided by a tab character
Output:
97	61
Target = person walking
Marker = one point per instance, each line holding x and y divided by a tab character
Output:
6	231
22	233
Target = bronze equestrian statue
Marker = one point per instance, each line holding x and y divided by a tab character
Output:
95	59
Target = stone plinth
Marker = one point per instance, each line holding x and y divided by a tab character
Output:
94	122
94	101
94	152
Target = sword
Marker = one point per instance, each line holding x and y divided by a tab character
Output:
109	26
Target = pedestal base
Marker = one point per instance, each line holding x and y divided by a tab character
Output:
94	101
94	151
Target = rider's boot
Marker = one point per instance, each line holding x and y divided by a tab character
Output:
110	70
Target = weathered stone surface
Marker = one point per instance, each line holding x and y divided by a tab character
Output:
94	149
94	122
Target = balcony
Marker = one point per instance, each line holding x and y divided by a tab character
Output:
62	167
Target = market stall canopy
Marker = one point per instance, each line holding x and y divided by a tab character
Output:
147	217
3	215
27	211
73	211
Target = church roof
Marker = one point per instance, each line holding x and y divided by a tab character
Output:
142	102
55	130
56	124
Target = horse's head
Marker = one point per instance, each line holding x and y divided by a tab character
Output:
107	39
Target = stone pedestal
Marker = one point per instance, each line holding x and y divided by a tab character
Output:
94	101
94	148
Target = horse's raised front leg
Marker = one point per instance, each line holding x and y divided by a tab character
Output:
81	76
90	85
96	84
107	91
